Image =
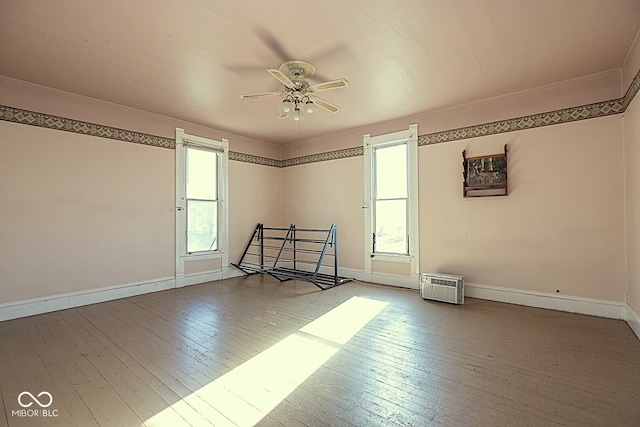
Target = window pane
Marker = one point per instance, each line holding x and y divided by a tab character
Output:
202	231
201	174
391	172
391	226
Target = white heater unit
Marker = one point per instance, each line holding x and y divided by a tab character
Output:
442	287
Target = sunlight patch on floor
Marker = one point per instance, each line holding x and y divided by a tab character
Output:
246	394
344	321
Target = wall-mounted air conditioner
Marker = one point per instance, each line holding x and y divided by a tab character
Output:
442	287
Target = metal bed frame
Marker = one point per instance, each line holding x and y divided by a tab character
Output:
294	254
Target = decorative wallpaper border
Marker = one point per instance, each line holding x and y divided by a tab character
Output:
32	118
589	111
632	90
256	160
322	157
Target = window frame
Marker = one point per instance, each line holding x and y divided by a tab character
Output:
410	138
215	200
221	147
375	198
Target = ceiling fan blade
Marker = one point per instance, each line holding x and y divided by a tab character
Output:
259	95
283	79
270	40
333	84
333	54
283	115
324	104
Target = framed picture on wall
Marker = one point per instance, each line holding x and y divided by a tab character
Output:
485	175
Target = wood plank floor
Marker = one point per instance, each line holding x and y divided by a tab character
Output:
213	354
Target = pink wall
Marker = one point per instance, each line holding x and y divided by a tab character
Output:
81	212
255	195
320	194
632	172
85	213
560	228
632	160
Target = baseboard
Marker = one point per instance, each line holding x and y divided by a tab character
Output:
572	304
233	272
633	319
198	278
410	282
30	307
593	307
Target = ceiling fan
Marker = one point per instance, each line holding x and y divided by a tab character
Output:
299	95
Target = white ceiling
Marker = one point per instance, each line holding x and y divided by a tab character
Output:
190	59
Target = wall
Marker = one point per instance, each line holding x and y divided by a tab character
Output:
560	229
81	212
320	194
586	234
86	218
632	160
255	195
565	213
632	190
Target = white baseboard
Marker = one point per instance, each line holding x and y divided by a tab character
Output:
30	307
410	282
207	276
198	278
33	306
233	272
633	319
572	304
590	306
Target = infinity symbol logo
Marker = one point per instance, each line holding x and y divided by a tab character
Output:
35	399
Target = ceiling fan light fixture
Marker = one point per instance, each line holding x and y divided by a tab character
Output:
310	107
286	106
299	96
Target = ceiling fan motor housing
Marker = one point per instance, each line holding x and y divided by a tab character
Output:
297	69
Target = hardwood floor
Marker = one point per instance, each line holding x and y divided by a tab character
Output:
233	352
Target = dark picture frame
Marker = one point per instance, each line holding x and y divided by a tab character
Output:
485	175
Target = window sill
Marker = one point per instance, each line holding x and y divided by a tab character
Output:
391	258
202	256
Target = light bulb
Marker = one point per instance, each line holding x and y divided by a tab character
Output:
310	107
296	115
286	106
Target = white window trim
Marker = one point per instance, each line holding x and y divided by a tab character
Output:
184	140
411	136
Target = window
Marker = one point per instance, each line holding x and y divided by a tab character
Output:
201	199
201	193
391	198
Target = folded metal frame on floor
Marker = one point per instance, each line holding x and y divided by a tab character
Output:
294	253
